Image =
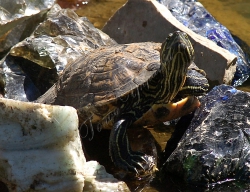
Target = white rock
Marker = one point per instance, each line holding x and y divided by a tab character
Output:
148	20
97	179
40	150
40	147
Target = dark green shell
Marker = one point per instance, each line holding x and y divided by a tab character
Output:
104	75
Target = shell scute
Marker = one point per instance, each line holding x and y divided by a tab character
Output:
153	66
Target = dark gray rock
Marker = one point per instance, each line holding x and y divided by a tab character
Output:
215	148
19	19
32	66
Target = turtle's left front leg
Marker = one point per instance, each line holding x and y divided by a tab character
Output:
120	150
160	113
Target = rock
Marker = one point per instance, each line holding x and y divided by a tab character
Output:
19	19
151	21
215	149
193	15
31	66
97	179
41	150
60	39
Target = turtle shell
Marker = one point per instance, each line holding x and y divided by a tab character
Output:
104	75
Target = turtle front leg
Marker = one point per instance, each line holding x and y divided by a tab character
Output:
121	153
168	111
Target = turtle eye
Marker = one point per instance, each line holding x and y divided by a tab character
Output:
186	37
170	35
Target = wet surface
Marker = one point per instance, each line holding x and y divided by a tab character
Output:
140	140
98	12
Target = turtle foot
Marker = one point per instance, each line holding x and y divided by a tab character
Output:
122	155
137	162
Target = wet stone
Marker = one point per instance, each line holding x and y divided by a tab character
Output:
215	147
60	39
32	66
19	19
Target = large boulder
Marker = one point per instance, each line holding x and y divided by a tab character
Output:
215	148
32	65
41	150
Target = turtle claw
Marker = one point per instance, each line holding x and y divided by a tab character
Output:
132	161
146	165
121	154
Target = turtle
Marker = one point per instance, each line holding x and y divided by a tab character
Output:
118	84
185	102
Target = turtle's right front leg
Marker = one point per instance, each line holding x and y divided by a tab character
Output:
121	153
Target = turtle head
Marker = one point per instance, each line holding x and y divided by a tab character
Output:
176	55
177	48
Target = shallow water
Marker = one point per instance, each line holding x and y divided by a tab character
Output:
234	14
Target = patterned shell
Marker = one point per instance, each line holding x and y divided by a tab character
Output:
106	74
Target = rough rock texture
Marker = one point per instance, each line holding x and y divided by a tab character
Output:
151	21
41	150
60	39
19	18
215	148
31	66
193	15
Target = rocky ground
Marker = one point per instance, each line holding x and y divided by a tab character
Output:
36	47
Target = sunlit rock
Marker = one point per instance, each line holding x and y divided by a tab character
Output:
32	65
40	147
18	19
215	149
97	179
41	150
152	21
60	39
194	15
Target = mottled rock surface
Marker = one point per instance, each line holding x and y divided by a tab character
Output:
41	150
215	148
40	147
152	21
